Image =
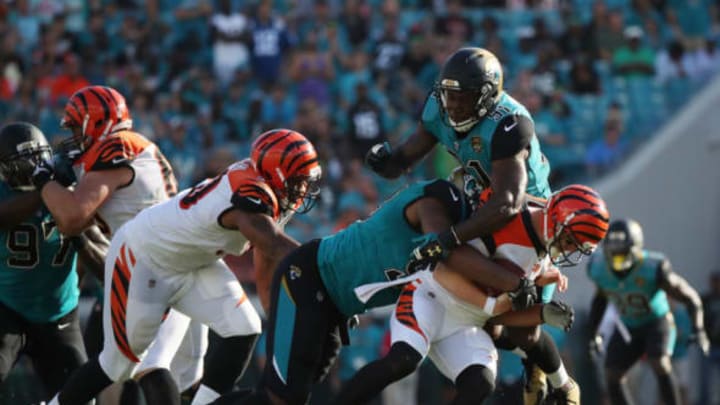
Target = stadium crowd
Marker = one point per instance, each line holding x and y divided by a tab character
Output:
203	77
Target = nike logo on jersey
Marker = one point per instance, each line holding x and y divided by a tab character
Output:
254	200
62	326
452	193
511	126
118	160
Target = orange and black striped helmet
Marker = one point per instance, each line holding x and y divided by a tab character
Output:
93	113
576	220
289	163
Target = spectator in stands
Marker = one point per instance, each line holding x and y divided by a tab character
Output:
69	81
454	23
355	21
388	46
633	59
312	70
270	42
608	30
606	153
365	122
181	153
710	373
577	40
673	63
229	32
584	79
707	59
278	107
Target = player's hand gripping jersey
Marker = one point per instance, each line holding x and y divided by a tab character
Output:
153	180
184	233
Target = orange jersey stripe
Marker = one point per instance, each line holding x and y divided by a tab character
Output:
404	311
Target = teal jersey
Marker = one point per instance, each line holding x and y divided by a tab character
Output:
377	249
502	133
637	296
37	268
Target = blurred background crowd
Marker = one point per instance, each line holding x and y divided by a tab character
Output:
203	77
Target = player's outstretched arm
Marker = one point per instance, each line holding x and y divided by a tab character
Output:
269	242
678	288
391	163
73	210
432	216
17	208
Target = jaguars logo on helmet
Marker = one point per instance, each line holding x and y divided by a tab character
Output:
21	145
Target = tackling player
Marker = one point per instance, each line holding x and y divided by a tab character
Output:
170	256
320	285
493	136
441	314
637	281
38	282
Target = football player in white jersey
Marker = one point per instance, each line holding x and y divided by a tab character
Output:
170	256
119	174
441	314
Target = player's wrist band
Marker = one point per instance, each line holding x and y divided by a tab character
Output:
449	239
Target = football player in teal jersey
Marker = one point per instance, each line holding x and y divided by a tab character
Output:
38	282
493	136
319	286
637	282
490	133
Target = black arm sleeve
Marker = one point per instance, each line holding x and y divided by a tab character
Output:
251	204
451	197
512	134
597	309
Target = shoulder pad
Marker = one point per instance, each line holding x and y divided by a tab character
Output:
250	191
117	150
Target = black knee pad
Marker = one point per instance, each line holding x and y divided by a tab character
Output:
402	359
131	394
159	387
474	384
227	360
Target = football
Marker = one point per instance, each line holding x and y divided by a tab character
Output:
509	266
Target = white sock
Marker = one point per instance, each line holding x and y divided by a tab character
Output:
558	378
204	395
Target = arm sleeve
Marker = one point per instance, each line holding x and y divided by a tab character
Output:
252	198
451	197
512	134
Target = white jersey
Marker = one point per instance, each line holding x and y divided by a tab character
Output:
184	233
153	179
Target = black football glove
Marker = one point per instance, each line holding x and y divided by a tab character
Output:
558	314
378	157
432	248
43	173
524	296
64	173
